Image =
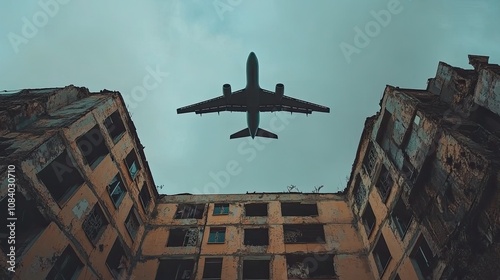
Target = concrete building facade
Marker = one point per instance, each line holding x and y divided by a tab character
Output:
422	201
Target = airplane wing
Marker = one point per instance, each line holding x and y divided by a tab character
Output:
270	102
236	103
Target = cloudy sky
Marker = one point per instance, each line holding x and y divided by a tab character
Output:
338	53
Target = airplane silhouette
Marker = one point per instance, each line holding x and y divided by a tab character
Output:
253	100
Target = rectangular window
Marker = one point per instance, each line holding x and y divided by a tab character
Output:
303	233
368	219
132	223
302	266
256	237
175	269
115	127
92	146
402	217
182	237
189	211
298	209
116	190
217	235
61	177
221	209
256	210
256	269
384	183
409	171
382	255
386	128
359	192
30	224
132	164
116	260
94	224
145	197
213	269
422	258
67	266
370	159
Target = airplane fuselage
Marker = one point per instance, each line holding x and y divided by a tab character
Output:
253	90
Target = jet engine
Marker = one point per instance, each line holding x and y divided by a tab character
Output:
280	90
226	89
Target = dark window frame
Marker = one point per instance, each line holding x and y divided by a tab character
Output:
360	192
183	269
384	183
402	217
189	211
304	234
299	209
116	258
382	255
254	268
251	236
321	268
369	219
189	237
145	197
370	160
132	226
255	209
63	262
215	270
114	124
420	254
97	222
63	172
97	148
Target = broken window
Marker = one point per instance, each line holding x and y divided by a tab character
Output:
368	219
30	224
385	130
132	164
213	269
303	233
217	235
256	269
175	269
402	217
67	266
95	224
256	210
359	192
299	209
422	258
116	260
221	209
182	237
189	211
310	266
92	146
114	125
61	177
132	223
384	183
381	255
116	190
145	196
256	237
370	159
408	170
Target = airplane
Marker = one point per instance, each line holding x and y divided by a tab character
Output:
253	100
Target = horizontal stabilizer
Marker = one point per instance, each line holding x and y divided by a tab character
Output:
242	133
265	133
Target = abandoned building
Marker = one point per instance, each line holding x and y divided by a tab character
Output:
422	201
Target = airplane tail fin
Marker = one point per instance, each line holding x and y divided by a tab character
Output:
265	133
242	133
260	132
